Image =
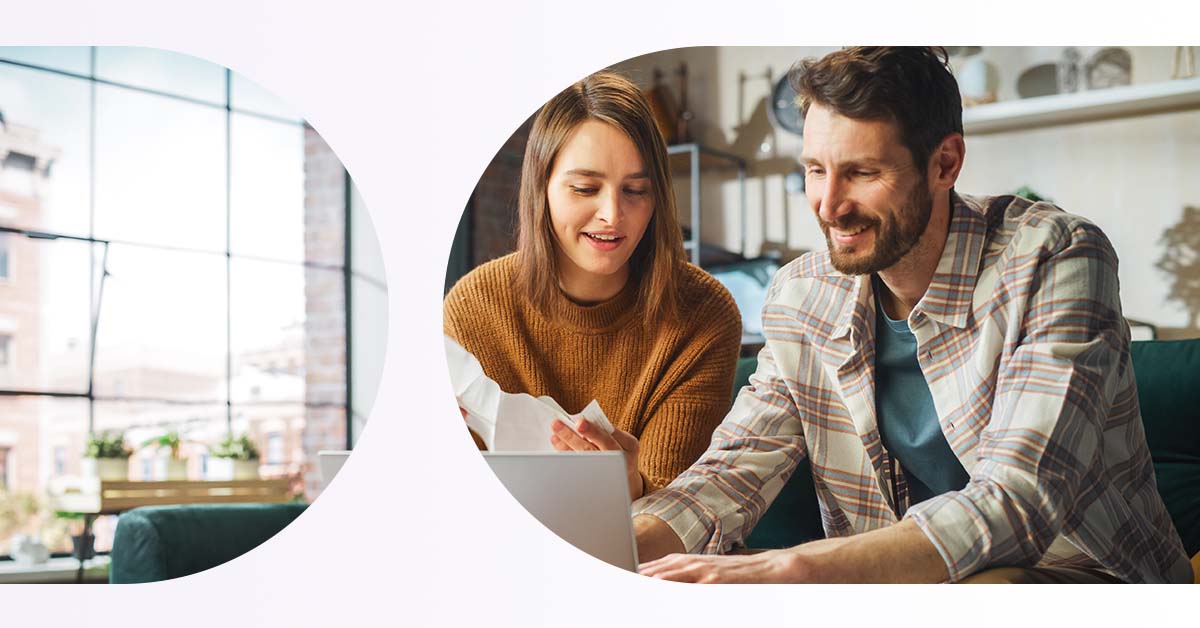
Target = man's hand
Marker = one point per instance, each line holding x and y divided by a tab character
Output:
772	566
898	553
592	438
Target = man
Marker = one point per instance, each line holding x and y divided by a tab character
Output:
955	368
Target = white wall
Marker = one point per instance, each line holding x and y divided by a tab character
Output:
1132	176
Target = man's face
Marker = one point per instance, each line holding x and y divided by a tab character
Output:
869	198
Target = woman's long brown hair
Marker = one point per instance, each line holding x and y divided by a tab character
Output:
658	258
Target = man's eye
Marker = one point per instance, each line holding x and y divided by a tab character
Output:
864	173
816	172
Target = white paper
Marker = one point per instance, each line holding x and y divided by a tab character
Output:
509	421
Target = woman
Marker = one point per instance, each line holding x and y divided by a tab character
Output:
598	302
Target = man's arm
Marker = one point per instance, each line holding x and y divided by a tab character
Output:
655	538
715	502
898	553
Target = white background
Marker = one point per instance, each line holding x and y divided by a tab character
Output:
416	100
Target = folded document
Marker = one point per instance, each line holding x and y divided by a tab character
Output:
509	421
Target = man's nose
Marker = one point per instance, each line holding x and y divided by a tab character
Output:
832	199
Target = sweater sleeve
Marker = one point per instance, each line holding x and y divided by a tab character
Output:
680	427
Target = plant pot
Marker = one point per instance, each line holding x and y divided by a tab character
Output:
107	469
245	469
230	469
170	469
83	546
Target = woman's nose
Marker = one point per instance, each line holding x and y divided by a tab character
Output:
609	208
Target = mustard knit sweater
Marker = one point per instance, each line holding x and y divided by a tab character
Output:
668	385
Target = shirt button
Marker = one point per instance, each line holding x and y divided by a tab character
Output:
928	355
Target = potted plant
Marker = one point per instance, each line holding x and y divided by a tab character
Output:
234	459
107	457
173	467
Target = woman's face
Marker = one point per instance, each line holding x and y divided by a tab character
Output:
600	203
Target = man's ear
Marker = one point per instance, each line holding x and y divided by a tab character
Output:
946	161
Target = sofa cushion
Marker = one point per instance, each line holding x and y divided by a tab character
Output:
1168	379
161	542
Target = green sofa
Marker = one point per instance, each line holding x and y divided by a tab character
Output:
1168	379
162	542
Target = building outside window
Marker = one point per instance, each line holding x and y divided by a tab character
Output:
4	270
208	235
4	456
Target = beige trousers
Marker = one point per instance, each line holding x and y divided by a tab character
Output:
1041	575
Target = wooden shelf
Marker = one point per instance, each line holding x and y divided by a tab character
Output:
1087	106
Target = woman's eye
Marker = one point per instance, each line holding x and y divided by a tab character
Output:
584	191
636	192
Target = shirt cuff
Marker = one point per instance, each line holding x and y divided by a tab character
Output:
695	524
958	531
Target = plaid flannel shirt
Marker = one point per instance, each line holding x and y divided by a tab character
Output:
1022	342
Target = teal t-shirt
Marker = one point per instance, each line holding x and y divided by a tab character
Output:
907	419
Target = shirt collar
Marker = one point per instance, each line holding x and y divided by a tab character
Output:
951	291
949	296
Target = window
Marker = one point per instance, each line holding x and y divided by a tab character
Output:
5	452
206	227
275	448
4	271
5	350
17	175
60	460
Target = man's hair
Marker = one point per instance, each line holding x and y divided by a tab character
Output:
658	258
909	86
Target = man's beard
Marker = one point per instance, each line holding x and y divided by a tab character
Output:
895	235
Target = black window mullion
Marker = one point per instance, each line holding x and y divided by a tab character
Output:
347	293
228	255
93	302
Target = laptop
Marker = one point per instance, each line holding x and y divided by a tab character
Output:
583	497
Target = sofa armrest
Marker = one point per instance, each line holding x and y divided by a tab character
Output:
163	542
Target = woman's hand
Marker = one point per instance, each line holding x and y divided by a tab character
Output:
592	438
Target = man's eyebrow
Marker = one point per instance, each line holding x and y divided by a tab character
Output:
863	161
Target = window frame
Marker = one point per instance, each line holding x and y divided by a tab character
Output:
345	268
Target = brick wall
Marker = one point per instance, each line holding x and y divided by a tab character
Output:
325	308
23	181
494	201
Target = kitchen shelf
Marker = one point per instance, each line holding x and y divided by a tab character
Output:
690	160
1087	106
